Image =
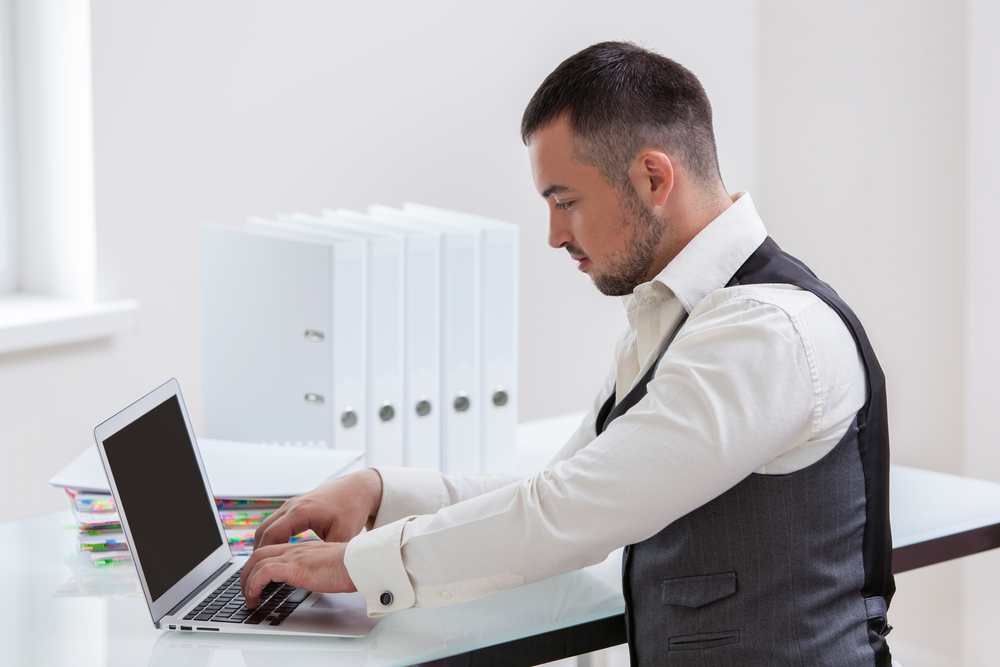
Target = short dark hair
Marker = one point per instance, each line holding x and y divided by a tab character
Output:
621	98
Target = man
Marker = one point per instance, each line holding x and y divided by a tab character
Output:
739	445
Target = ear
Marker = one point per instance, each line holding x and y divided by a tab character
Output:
652	175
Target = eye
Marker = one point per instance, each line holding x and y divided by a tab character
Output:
563	205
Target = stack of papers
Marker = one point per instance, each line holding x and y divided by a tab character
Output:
249	481
103	581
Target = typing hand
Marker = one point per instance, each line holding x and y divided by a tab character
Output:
336	511
314	566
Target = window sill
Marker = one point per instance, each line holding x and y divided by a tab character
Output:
30	322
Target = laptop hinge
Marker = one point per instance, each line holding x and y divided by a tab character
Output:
196	592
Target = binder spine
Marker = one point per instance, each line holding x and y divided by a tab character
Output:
460	355
350	343
385	352
499	335
423	408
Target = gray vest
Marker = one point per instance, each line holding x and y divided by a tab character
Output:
780	570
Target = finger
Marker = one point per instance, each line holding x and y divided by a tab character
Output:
280	530
252	562
259	533
245	573
264	572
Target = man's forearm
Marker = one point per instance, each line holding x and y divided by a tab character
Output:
408	491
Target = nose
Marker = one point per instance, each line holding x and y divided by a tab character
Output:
560	234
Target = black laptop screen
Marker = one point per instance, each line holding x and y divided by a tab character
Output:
162	496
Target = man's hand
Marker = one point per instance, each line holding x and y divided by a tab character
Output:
314	566
336	512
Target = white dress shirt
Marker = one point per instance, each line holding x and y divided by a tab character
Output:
761	379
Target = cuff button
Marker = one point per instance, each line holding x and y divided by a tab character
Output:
446	595
385	599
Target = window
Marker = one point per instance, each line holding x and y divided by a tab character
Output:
48	239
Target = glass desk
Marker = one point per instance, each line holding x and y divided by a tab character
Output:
62	611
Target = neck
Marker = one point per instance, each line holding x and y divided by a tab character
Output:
690	209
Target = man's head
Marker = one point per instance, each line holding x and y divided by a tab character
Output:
622	146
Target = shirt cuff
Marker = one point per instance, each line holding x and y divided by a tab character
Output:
374	561
409	491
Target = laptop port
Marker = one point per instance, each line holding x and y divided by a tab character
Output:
172	627
208	629
185	627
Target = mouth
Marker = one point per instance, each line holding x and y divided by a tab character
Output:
577	255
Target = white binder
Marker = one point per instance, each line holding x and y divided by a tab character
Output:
422	336
499	289
461	428
384	358
346	332
271	351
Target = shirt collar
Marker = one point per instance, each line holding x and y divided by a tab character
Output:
711	258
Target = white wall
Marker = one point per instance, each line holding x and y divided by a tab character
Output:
213	111
981	603
864	179
863	169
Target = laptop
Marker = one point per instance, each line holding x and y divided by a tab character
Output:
190	578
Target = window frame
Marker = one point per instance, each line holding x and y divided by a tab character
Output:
9	264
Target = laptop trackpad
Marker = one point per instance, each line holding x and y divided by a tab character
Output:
339	601
340	614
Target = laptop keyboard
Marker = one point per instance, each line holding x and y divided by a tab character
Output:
226	604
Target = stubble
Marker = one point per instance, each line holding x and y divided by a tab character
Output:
645	231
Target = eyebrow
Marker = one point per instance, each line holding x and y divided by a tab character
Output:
554	190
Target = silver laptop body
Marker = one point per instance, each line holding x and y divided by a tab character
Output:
177	540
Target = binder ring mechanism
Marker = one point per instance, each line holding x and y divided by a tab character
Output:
349	418
461	403
386	412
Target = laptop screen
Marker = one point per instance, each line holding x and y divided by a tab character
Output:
173	523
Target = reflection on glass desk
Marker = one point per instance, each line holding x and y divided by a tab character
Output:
61	614
62	611
419	635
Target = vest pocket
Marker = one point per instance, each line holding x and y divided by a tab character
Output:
703	640
697	591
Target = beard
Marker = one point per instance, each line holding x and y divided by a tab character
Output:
645	232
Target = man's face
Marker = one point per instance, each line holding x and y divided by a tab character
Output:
611	235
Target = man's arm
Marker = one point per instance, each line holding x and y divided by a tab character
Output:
738	387
337	512
374	498
409	491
